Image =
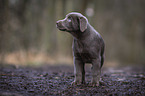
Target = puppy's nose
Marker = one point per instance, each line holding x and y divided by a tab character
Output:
57	22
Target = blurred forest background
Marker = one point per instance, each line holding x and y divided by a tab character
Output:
28	33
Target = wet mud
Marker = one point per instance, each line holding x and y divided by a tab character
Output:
56	80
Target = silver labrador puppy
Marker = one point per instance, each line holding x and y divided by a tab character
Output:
88	46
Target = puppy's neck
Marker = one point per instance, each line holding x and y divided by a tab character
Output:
78	35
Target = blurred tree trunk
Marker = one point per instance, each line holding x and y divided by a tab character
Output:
30	24
49	37
53	35
3	28
81	5
64	2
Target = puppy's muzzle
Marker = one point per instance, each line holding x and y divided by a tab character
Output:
57	24
60	26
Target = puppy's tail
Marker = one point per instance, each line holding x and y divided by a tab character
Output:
102	60
102	55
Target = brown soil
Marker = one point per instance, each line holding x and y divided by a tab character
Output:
56	80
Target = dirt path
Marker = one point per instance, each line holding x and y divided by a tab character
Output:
56	80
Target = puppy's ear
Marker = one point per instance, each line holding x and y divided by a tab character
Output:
83	23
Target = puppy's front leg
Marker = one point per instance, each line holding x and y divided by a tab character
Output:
79	72
96	71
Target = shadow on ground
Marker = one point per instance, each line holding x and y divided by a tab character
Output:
56	80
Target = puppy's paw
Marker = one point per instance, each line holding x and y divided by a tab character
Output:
75	83
102	83
94	84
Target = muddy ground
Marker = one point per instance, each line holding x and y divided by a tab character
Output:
56	80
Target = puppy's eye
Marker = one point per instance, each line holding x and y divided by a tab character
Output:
69	19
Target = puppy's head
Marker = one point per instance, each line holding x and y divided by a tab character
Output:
73	22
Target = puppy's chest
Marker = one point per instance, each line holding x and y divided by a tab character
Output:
84	50
82	47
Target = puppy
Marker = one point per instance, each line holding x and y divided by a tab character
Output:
88	46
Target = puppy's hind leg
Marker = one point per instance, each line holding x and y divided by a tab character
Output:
96	71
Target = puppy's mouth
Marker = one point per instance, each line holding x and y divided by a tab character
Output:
60	27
